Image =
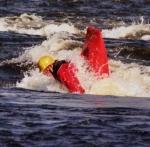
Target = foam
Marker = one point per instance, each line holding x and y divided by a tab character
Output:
57	42
125	79
136	30
37	81
34	25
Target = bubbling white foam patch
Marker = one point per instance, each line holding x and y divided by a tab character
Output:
145	37
139	31
34	25
124	80
3	25
37	81
55	43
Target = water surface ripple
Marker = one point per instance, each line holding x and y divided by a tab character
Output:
31	118
49	119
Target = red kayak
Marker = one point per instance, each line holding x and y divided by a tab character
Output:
94	51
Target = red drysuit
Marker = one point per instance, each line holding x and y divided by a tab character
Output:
65	73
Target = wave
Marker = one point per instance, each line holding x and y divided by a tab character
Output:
35	25
64	41
137	30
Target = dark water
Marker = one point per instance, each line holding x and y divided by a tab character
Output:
49	119
30	118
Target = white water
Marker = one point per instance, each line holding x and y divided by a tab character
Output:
125	79
31	24
140	30
34	25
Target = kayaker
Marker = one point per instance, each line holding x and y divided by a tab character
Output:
94	51
63	71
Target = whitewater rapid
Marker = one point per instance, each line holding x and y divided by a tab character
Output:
125	79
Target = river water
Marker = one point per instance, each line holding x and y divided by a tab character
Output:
37	111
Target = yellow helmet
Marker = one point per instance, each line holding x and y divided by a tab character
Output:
45	61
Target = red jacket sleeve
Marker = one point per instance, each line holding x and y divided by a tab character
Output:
94	51
66	74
